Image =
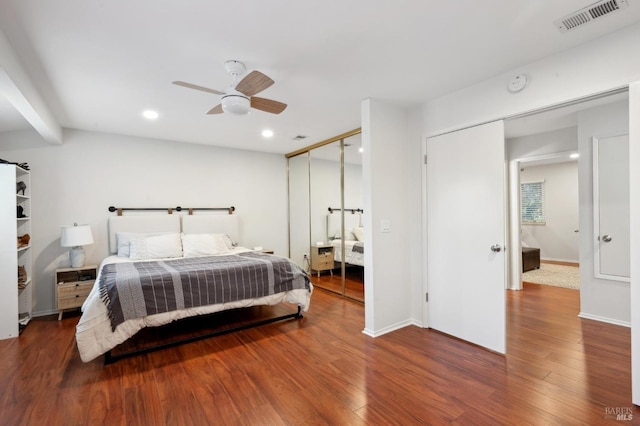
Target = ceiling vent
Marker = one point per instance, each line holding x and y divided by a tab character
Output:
589	13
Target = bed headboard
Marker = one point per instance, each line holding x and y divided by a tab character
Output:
351	220
213	224
141	224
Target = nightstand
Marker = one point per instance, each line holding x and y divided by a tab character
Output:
322	258
73	286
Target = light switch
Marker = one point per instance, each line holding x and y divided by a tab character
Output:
385	225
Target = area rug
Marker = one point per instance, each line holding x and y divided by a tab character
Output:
555	275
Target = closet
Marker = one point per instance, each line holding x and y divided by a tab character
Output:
325	212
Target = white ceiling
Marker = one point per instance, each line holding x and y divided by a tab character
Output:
98	64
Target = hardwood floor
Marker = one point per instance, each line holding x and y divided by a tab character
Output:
354	282
560	369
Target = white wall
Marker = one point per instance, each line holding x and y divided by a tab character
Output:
385	178
557	238
539	144
79	180
600	299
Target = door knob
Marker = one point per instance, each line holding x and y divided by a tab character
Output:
606	238
496	248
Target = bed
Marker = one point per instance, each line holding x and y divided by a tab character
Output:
189	257
353	238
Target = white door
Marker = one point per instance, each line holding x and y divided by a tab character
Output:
611	207
465	230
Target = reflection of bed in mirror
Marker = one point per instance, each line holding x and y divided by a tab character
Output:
353	238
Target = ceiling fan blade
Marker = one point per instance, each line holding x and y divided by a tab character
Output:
196	87
267	105
216	110
255	82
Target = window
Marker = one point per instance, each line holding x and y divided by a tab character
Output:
532	202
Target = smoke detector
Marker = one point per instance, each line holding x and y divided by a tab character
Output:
589	13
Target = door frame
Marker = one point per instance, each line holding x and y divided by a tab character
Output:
514	280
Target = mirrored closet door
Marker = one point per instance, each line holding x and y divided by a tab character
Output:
325	234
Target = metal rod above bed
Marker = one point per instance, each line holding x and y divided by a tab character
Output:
353	211
170	210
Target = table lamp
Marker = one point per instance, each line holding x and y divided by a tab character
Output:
75	237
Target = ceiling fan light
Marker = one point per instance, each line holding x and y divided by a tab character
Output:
236	104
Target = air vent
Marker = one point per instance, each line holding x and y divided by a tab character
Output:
299	137
588	14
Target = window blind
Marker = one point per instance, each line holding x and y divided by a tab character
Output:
532	202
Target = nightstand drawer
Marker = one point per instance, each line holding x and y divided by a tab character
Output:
73	294
324	263
75	289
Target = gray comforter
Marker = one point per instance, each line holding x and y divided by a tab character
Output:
138	289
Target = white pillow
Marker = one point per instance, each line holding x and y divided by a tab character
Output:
204	244
358	233
155	246
123	240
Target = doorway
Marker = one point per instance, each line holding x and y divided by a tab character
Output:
549	217
552	136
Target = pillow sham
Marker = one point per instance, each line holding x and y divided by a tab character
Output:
204	244
358	233
348	235
155	246
123	240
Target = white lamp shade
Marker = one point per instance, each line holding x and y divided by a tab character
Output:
74	236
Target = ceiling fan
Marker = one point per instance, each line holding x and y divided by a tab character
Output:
239	97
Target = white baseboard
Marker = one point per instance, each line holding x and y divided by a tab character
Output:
604	319
389	329
550	259
44	313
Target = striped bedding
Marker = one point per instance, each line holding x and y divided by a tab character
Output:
138	289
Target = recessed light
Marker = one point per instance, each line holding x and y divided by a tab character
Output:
574	155
150	114
267	133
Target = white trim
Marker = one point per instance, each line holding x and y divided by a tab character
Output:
425	248
514	256
44	313
550	259
390	328
604	319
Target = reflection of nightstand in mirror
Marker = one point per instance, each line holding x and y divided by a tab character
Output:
322	258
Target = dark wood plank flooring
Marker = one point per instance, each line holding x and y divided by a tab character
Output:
354	282
560	369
